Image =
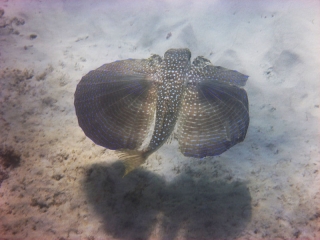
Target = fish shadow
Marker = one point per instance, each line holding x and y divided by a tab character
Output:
143	205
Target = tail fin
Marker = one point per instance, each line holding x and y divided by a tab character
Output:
132	159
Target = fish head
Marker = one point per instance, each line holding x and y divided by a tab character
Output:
175	65
182	55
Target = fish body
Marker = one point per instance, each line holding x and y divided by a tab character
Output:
134	106
172	74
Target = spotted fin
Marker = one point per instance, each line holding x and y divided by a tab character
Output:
115	103
214	115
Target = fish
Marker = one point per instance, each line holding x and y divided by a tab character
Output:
134	106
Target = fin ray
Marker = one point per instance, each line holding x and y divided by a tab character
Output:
115	104
214	116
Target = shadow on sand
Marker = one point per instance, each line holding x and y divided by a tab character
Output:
142	204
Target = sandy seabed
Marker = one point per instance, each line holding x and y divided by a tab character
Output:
55	183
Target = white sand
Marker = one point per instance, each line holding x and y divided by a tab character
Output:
65	187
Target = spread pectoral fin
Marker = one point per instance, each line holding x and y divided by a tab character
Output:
115	104
214	116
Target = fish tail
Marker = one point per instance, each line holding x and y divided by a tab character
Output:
132	159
